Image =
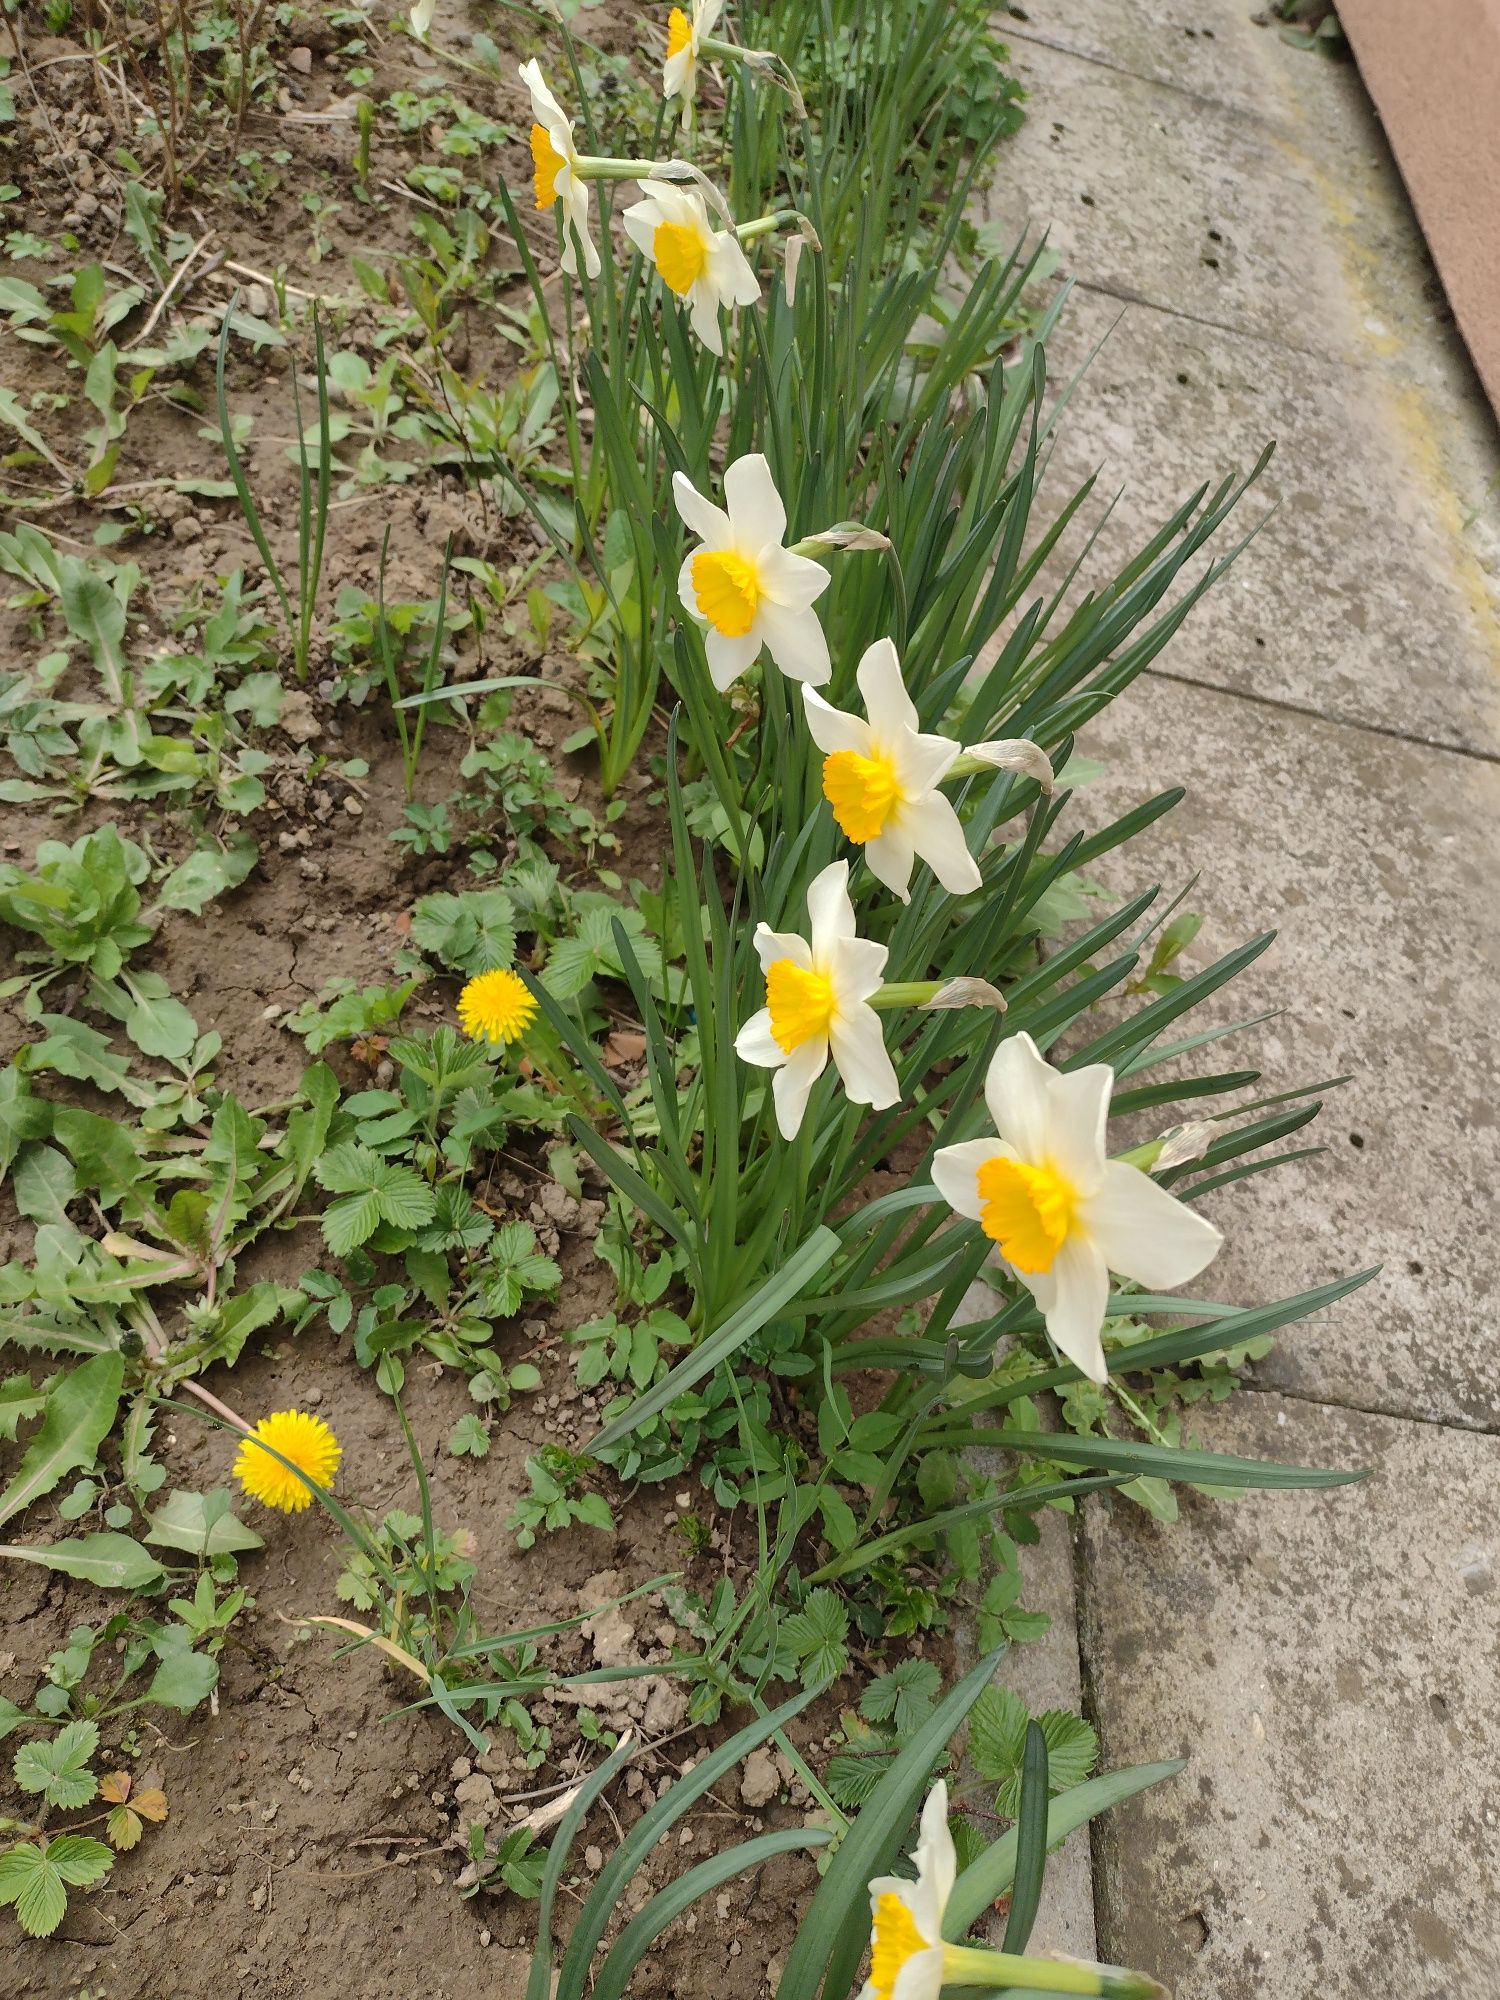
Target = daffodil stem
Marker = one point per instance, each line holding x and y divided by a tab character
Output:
970	1965
905	993
766	225
1143	1156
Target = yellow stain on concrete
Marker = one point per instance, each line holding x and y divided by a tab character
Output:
1418	423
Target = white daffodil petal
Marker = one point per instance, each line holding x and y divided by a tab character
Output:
862	1059
754	504
1080	1112
792	1084
640	222
888	705
1016	1091
706	17
922	761
1079	1288
699	516
831	729
796	642
676	73
729	658
935	831
857	969
731	271
921	1978
955	1172
773	946
889	857
544	106
756	1044
829	910
936	1859
575	208
792	581
1144	1232
421	16
703	317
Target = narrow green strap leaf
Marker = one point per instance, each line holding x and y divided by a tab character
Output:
668	1904
836	1929
984	1881
1020	1500
622	1866
775	1295
1031	1841
539	1984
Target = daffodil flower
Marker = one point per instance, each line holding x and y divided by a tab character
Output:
557	174
704	266
881	777
909	1960
686	34
1062	1212
743	585
421	18
817	1005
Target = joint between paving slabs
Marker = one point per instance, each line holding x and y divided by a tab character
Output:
1284	707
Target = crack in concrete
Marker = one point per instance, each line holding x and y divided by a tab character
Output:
1285	707
1098	61
1458	1427
1126	296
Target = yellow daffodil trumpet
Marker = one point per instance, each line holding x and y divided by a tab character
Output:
305	1442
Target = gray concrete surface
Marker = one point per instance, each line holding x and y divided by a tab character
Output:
1327	1663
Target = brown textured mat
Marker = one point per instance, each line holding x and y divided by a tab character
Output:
1433	69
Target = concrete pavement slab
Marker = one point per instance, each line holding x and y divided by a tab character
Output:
1360	599
1207	48
1152	194
1327	1664
1376	861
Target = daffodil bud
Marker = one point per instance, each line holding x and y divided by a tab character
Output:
1188	1142
1008	753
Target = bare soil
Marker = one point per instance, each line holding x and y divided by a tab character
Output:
315	1838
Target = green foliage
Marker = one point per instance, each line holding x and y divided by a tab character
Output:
35	1877
558	1498
371	1192
997	1742
59	1769
471	932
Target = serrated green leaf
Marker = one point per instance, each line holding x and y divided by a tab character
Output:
59	1769
81	1407
30	1882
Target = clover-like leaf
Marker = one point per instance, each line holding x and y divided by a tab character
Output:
59	1769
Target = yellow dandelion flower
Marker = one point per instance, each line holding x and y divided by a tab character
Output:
496	1007
304	1440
